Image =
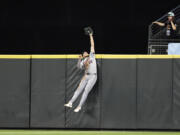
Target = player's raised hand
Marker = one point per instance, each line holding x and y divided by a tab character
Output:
88	31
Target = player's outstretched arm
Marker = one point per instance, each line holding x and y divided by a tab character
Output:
92	43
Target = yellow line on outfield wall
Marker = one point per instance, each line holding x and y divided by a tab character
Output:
15	56
104	56
110	56
48	56
98	56
176	56
155	56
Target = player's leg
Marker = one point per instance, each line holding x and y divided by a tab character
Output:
78	91
91	82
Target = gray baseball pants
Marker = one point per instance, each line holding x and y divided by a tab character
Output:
86	84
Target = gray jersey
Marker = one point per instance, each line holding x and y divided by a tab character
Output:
92	68
92	64
88	81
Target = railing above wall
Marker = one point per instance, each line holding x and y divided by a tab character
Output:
156	33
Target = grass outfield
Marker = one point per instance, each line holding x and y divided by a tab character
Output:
60	132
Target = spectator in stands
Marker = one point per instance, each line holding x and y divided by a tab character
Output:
170	25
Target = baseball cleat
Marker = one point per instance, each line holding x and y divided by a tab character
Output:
68	105
77	109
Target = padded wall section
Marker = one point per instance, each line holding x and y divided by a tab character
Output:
176	93
118	93
154	93
89	117
14	93
48	93
130	93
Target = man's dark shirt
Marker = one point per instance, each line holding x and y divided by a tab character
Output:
170	33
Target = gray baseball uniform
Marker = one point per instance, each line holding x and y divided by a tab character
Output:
88	80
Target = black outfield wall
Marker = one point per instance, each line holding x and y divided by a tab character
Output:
132	92
14	92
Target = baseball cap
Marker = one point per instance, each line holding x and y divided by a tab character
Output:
171	14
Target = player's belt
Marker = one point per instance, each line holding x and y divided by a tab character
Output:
91	74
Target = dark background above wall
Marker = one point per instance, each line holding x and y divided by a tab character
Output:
46	26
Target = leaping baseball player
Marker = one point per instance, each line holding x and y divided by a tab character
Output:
86	62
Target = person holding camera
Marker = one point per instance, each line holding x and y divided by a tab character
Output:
86	62
170	25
